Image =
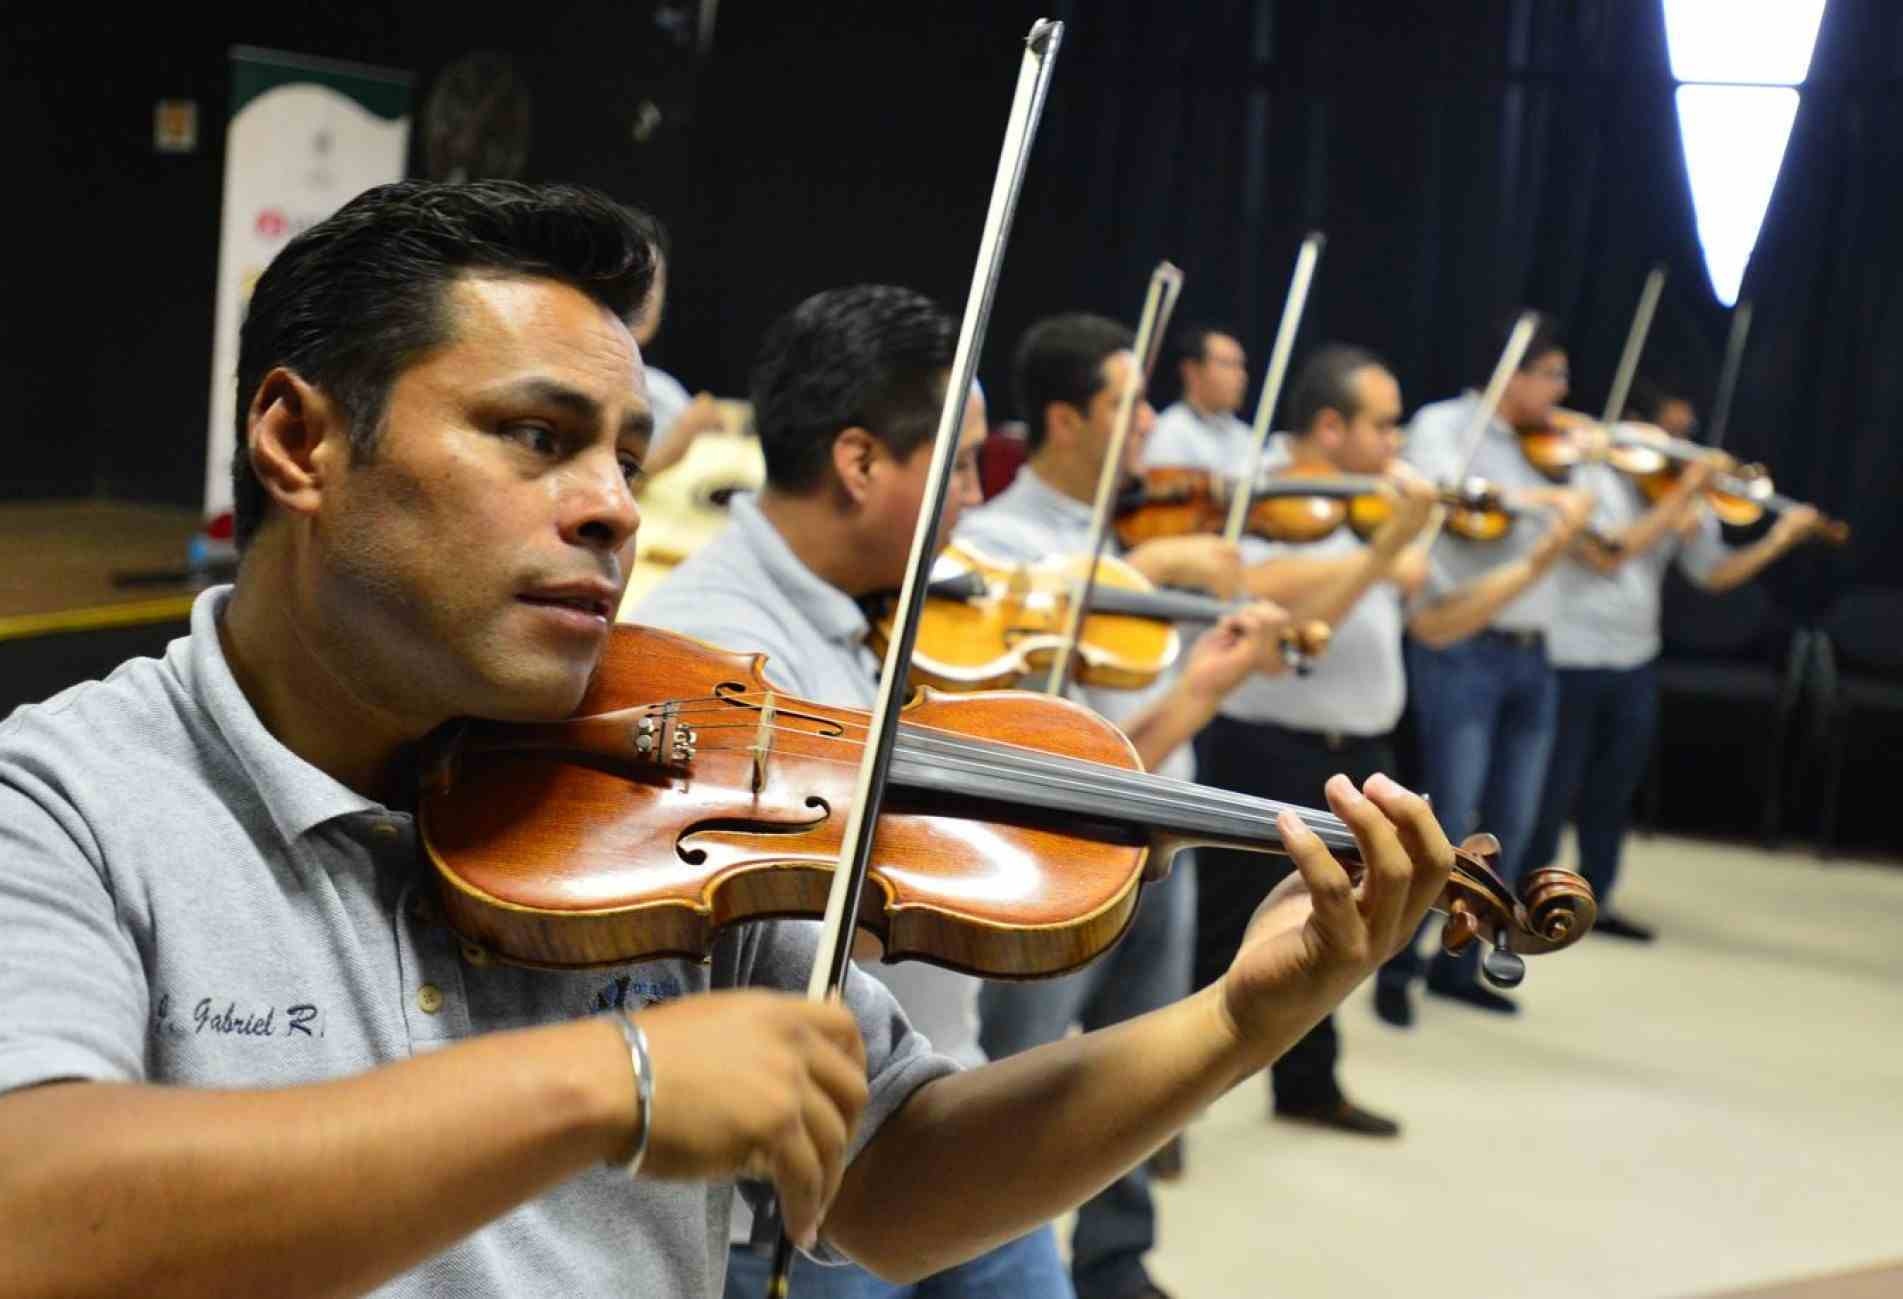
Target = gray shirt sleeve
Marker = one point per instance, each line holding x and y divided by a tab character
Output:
74	1002
1704	550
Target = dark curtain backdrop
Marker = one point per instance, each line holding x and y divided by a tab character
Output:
1462	158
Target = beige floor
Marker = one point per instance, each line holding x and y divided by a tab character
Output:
1719	1110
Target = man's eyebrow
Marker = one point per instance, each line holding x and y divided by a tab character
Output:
551	392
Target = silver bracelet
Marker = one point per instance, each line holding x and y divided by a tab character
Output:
643	1087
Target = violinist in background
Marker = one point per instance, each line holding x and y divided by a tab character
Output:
1273	736
846	394
678	418
240	1052
1605	640
1485	700
1201	430
1071	372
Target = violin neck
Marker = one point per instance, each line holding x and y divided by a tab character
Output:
1164	606
1146	807
1334	487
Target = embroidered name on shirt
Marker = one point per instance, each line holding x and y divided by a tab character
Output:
232	1018
625	991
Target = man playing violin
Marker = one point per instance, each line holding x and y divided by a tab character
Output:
1271	737
1072	373
1605	640
238	1051
846	394
1201	431
1484	695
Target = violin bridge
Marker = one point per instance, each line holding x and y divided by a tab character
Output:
664	739
763	743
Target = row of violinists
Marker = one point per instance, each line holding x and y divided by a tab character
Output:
1497	558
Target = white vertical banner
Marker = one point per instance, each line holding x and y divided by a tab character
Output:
307	135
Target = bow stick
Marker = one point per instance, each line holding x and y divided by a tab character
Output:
1634	344
1166	283
834	955
1517	343
1728	375
1305	259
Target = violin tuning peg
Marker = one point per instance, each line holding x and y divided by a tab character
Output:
1485	847
1461	928
1503	969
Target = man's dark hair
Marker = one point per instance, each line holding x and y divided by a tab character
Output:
1326	381
1191	343
1061	359
352	302
872	356
1547	337
654	231
1650	396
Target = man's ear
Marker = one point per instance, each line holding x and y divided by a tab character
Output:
1331	430
1062	422
855	451
297	440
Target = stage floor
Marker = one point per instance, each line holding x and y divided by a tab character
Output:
1715	1112
61	557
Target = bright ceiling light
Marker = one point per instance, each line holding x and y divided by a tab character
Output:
1734	144
1768	42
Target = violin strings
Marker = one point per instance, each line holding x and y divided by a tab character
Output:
1074	775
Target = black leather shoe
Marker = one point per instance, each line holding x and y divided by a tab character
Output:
1393	1005
1613	925
1343	1116
1476	996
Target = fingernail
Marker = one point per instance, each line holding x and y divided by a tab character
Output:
1379	783
1343	788
1293	828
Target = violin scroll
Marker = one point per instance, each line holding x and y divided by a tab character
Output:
1554	908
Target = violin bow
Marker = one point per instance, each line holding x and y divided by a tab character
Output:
1243	495
1728	373
834	956
1518	341
1166	284
1634	344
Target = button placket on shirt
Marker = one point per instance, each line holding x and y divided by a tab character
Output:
429	956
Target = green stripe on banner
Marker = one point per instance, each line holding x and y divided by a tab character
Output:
382	91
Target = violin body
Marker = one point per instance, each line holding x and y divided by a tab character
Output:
1170	501
563	845
1015	625
685	795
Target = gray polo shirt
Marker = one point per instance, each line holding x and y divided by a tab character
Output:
1611	620
185	901
1433	447
746	589
1186	438
668	401
1360	685
1031	520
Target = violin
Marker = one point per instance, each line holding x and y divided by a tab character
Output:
1298	505
987	625
1738	494
686	794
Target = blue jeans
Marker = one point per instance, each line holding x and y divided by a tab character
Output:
1485	711
1606	720
1148	969
1026	1268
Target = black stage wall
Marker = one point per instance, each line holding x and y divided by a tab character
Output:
1461	158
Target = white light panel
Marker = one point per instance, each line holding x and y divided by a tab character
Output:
1734	140
1764	41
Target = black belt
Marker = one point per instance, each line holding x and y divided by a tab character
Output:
1333	741
1525	640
